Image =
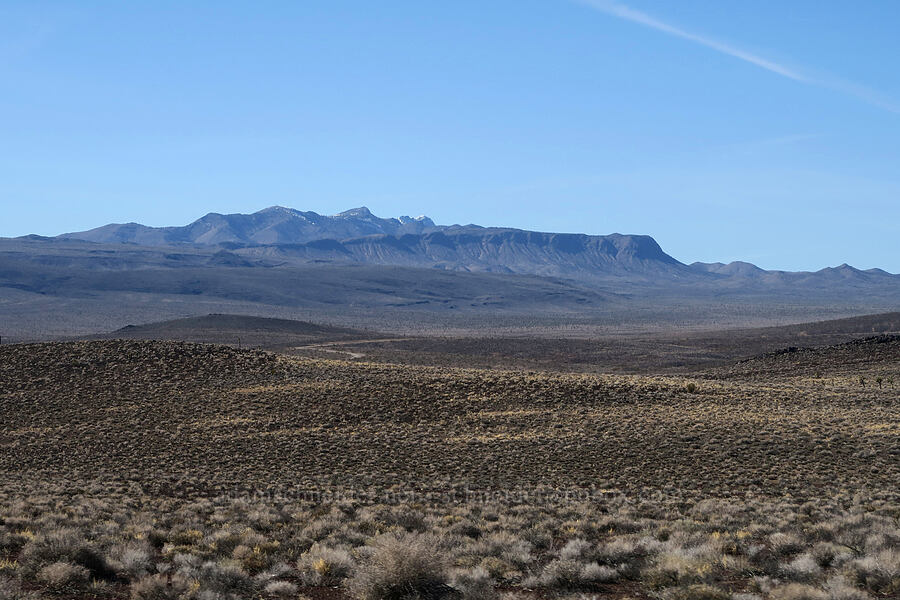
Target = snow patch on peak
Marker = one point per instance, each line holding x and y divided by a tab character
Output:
362	212
278	209
406	219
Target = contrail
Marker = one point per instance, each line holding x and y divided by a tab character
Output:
845	87
636	16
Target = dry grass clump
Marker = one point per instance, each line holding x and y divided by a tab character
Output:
131	561
696	592
401	566
797	591
160	587
64	546
281	589
878	572
474	584
321	565
62	578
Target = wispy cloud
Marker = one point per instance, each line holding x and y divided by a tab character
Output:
846	87
636	16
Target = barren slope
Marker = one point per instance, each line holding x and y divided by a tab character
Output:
185	417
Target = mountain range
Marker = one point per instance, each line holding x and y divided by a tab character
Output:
356	269
278	235
273	225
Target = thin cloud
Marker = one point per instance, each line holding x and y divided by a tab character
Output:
832	83
636	16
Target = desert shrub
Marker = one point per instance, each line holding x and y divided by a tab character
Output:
11	590
272	573
597	573
325	566
696	592
802	568
839	588
797	591
252	560
281	589
540	539
575	549
879	573
320	529
159	587
265	518
225	541
622	551
10	542
562	574
62	578
785	544
680	567
465	529
185	537
130	561
186	565
827	554
401	566
227	578
499	568
51	547
474	584
64	545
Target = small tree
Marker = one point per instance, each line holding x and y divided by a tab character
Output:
879	381
862	381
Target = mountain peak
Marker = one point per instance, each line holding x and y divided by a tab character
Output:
361	212
277	209
406	219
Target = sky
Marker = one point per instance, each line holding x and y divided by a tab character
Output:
761	130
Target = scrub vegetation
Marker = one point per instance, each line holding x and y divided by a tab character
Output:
166	470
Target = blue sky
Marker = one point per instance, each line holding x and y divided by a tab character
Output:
763	131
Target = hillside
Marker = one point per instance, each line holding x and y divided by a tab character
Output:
584	350
247	331
148	470
213	416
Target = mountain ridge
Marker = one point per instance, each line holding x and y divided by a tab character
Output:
272	225
288	235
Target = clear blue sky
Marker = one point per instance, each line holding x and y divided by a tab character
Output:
760	130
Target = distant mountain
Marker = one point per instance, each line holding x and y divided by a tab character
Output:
279	236
355	265
273	225
492	250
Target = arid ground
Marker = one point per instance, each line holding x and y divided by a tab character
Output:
166	469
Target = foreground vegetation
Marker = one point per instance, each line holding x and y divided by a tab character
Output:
157	471
100	545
